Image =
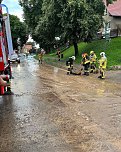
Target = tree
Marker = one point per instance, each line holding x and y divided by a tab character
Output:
18	30
81	20
32	13
49	25
42	18
71	19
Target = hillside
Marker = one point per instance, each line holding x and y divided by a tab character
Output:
112	50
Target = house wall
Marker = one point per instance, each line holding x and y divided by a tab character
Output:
115	23
26	48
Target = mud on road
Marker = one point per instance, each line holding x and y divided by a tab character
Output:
54	112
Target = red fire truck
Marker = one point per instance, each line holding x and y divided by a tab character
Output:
6	50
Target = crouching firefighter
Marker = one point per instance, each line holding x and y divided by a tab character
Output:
69	64
86	63
102	65
5	85
93	60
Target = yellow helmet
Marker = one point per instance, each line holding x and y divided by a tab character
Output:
91	52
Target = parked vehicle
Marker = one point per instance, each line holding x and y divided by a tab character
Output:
21	55
14	58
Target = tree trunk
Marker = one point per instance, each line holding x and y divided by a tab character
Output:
47	49
75	48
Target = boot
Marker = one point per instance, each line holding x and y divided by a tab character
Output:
100	77
87	73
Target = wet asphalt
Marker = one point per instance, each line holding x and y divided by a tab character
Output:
25	125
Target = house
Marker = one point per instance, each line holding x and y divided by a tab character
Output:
114	11
26	48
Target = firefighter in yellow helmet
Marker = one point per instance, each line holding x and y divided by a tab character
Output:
93	60
102	65
86	63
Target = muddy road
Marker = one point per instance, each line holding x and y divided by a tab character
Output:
53	112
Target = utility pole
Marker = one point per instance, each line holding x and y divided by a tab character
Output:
106	25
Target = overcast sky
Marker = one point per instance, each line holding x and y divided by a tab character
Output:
13	7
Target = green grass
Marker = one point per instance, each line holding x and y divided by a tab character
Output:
112	50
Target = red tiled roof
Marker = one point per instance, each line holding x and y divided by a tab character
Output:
115	8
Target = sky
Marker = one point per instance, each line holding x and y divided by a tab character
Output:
14	8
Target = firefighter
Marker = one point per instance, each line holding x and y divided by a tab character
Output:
40	55
2	82
58	54
5	85
69	64
86	63
93	60
102	65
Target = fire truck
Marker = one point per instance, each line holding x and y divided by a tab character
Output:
6	50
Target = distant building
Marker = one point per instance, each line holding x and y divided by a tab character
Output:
31	46
112	20
26	48
114	11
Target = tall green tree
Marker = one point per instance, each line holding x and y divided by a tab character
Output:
72	19
81	20
49	25
32	13
43	20
18	30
